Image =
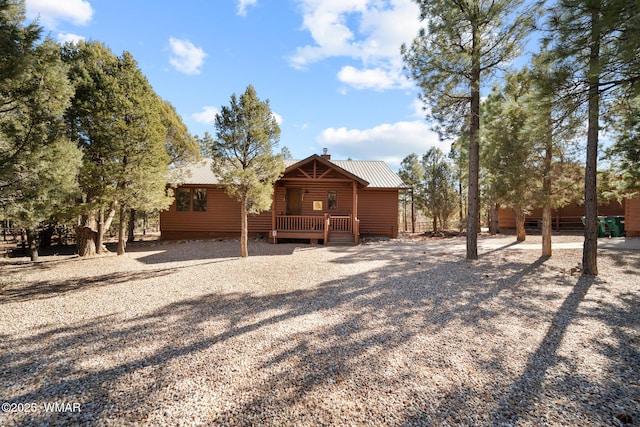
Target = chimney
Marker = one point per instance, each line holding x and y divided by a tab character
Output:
324	154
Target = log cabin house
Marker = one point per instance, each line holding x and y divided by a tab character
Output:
632	217
570	217
316	199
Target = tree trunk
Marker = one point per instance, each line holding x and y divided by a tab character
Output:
32	242
521	234
132	226
435	222
106	222
112	214
546	188
122	243
473	214
144	223
590	249
493	219
244	251
23	238
546	229
100	235
404	210
87	236
461	213
87	241
413	213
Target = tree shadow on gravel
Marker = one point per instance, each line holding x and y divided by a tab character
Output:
399	344
17	292
622	392
21	265
627	261
520	396
164	252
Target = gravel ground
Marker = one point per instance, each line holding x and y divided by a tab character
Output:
392	333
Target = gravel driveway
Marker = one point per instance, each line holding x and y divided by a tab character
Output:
396	333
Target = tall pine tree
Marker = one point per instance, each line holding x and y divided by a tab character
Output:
412	174
507	150
243	155
465	41
116	119
596	44
34	93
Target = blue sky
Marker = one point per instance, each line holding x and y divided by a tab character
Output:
330	68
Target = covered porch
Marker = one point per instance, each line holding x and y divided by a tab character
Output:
331	229
316	200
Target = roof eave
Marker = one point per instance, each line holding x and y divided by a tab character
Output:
330	164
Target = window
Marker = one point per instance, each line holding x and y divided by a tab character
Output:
332	200
199	199
183	199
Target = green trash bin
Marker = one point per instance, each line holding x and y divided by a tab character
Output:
602	227
616	225
620	220
602	231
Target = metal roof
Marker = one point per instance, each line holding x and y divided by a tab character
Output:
194	173
376	172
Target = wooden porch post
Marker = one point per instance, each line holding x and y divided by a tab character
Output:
325	223
273	213
355	220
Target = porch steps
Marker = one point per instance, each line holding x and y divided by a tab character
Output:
340	239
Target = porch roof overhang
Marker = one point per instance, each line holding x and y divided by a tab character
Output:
349	177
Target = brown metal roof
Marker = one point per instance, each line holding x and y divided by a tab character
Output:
377	173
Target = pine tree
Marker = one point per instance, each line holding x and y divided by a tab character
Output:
553	129
33	96
140	164
88	120
624	154
243	155
464	42
437	191
181	146
526	147
412	174
596	43
117	120
46	189
18	84
507	149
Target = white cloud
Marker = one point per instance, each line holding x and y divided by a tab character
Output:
388	142
69	38
50	13
243	5
368	31
186	57
206	116
374	78
278	118
419	108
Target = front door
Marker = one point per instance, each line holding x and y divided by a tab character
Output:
294	201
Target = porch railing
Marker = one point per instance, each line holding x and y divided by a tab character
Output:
300	223
340	223
309	225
